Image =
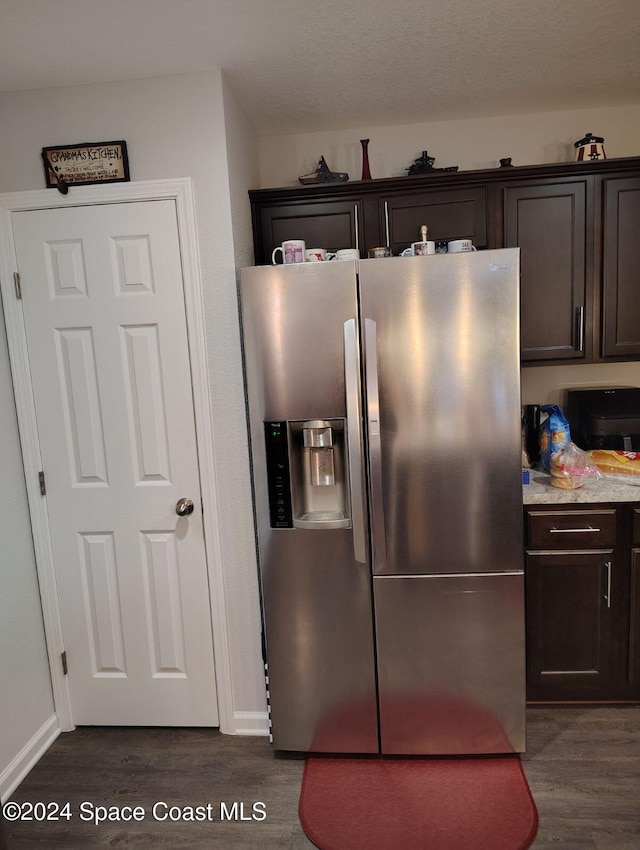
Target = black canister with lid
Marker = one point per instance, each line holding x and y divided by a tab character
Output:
531	426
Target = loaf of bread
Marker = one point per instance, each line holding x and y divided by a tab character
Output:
566	482
569	467
617	463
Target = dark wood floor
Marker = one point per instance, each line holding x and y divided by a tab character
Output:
582	763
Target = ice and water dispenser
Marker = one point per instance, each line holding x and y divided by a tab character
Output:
306	462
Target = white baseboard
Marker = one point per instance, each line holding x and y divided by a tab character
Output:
28	756
250	723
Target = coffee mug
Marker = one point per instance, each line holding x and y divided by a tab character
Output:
378	253
316	255
292	252
419	249
458	246
348	254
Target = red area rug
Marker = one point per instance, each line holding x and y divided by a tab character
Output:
417	804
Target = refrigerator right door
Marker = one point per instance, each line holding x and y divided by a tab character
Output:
442	384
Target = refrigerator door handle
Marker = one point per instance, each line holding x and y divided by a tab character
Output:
354	437
375	449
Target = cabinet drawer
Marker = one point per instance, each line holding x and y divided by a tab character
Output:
578	529
636	526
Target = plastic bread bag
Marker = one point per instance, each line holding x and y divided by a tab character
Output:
570	468
620	466
554	433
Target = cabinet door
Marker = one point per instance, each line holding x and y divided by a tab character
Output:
548	223
321	223
449	214
634	631
568	622
620	264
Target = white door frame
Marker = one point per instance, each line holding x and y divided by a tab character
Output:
180	191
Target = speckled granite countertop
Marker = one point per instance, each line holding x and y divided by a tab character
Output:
541	492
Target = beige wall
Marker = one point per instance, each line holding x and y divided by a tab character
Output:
470	144
242	161
547	384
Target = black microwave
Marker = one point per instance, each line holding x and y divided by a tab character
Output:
604	417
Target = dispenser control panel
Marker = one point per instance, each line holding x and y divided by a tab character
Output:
278	476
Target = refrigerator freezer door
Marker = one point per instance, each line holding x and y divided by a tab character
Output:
319	638
302	364
442	344
451	664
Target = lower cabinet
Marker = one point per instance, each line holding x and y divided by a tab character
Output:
582	603
568	621
634	633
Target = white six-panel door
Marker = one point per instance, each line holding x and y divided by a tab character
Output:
104	312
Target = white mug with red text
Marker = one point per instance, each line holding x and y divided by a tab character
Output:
316	255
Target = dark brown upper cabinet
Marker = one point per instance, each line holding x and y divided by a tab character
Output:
326	223
548	221
448	213
620	266
575	223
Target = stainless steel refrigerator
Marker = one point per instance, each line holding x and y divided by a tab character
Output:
384	410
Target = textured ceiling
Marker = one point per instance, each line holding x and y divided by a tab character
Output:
303	65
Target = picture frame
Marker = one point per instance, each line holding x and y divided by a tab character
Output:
85	164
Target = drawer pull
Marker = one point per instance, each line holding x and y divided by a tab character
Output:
554	530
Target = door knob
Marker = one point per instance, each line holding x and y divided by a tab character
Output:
184	507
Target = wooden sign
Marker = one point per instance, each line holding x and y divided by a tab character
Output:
90	162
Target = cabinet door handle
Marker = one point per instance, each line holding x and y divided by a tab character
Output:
608	594
386	225
554	530
580	328
355	218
